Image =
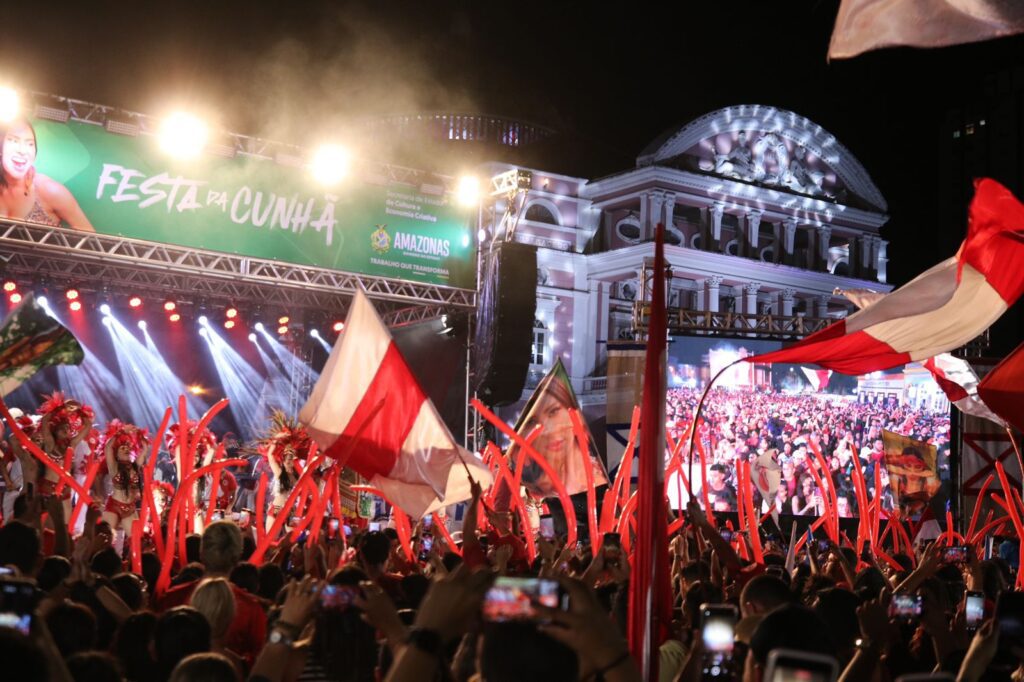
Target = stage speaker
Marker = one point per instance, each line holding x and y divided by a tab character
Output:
504	330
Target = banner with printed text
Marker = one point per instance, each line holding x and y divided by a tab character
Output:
77	175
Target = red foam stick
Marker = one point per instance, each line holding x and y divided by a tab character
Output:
628	456
878	506
401	519
704	479
330	482
158	538
90	475
34	450
189	525
614	494
826	512
831	507
990	527
528	449
517	500
261	508
314	501
888	559
263	545
803	536
1011	506
148	504
624	518
988	519
755	535
137	547
441	523
584	446
978	504
69	456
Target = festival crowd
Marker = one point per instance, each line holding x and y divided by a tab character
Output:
107	599
739	425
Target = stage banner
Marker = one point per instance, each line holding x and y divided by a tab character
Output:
913	471
624	389
127	186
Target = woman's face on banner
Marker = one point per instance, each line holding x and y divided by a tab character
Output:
556	440
19	150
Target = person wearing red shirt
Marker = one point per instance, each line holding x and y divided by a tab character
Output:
220	551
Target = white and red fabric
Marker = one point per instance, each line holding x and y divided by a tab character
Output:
863	25
367	393
817	378
959	382
941	309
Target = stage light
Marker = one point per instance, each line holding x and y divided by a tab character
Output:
467	192
252	337
196	389
169	305
174	317
10	104
105	309
203	320
481	235
10	285
71	294
259	327
231	313
338	326
229	324
143	325
314	333
283	320
282	330
75	306
15	297
203	332
108	320
135	301
41	300
183	135
329	164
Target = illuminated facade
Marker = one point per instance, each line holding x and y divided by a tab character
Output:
766	215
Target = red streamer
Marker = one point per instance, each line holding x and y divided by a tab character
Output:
584	444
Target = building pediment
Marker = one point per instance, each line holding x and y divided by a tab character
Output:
769	147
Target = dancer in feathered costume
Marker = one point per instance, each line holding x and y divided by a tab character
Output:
65	424
204	452
286	447
11	469
124	450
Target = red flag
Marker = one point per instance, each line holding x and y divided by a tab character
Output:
1002	389
368	403
650	593
941	309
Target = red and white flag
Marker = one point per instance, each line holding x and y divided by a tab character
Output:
1003	389
367	404
941	309
817	378
864	25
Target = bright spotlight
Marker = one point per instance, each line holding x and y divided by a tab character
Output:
143	325
105	309
314	333
231	313
71	294
196	389
10	285
108	320
183	135
259	327
43	302
481	235
338	326
203	332
174	317
203	320
170	306
10	104
252	337
75	306
15	297
467	192
283	320
135	301
229	324
329	164
282	330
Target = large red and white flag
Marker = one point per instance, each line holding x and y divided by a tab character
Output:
368	407
1003	389
941	309
864	25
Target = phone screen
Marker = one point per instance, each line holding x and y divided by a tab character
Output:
955	555
905	606
796	666
16	605
337	597
718	633
974	609
513	599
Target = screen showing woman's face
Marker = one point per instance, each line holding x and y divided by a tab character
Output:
19	151
556	439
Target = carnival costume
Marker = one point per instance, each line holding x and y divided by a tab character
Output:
57	411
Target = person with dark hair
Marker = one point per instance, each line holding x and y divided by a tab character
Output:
19	547
374	550
129	587
93	666
132	646
788	627
179	632
73	627
150	568
246	576
510	652
193	542
209	667
838	608
106	562
271	582
22	659
52	572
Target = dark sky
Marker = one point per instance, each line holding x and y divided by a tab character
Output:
611	80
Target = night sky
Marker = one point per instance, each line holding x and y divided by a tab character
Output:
609	80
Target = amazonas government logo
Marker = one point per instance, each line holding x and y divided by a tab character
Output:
380	240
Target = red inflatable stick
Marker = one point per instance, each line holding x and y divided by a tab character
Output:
440	523
614	493
90	476
584	445
261	507
34	450
275	529
137	547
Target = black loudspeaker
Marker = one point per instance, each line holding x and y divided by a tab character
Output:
504	329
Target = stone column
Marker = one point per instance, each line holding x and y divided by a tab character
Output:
786	299
699	298
750	290
645	216
670	209
714	282
717	211
824	235
754	232
657	213
822	305
788	241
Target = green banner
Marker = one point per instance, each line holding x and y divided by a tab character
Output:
127	186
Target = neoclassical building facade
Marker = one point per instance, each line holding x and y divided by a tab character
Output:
766	213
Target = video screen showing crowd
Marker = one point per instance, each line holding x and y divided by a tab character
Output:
896	424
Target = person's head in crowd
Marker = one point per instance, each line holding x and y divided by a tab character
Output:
994	579
180	632
21	658
693	572
374	550
246	576
189	573
132	646
510	652
451	561
221	548
392	536
106	562
724	502
343	643
271	581
150	568
414	588
93	666
716	476
209	667
19	547
52	572
788	627
700	592
248	546
192	548
214	599
129	587
838	608
762	594
72	626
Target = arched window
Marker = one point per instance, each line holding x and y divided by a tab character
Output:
540	213
628	230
